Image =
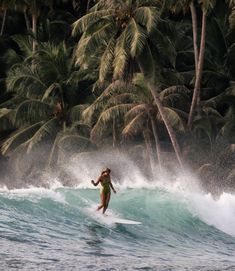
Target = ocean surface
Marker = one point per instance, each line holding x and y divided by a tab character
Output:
54	229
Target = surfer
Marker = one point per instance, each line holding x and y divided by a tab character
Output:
105	191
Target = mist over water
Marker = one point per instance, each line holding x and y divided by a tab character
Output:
182	227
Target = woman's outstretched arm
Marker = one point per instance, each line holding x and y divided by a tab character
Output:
97	182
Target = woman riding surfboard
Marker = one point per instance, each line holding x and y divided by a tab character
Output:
105	191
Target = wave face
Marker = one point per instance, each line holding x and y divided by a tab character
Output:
52	229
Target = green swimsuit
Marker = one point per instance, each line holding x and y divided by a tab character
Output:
105	187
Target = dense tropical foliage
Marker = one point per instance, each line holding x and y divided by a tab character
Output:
79	75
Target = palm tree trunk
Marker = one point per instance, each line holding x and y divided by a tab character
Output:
167	124
34	30
148	151
197	87
157	142
194	23
158	102
3	22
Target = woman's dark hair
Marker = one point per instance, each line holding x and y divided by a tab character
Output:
106	170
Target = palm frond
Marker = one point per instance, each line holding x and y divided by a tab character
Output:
107	59
175	119
19	137
80	56
123	98
176	96
24	44
135	125
136	110
107	116
48	129
82	24
181	89
115	87
80	75
73	143
53	61
32	111
99	38
49	91
25	81
121	55
75	113
146	16
137	38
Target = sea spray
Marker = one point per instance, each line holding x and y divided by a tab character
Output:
220	212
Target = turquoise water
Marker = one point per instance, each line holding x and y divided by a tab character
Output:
51	229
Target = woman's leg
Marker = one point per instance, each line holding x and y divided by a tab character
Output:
106	202
102	201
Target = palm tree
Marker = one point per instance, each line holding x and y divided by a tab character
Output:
133	102
47	112
199	57
119	101
118	33
35	122
175	102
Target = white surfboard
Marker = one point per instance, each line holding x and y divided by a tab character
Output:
117	220
109	218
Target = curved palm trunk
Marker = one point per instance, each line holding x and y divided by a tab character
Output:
197	87
148	151
167	124
158	102
3	22
194	23
157	142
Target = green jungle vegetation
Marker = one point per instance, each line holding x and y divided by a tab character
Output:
152	78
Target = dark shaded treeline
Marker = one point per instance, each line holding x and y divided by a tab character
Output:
159	75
